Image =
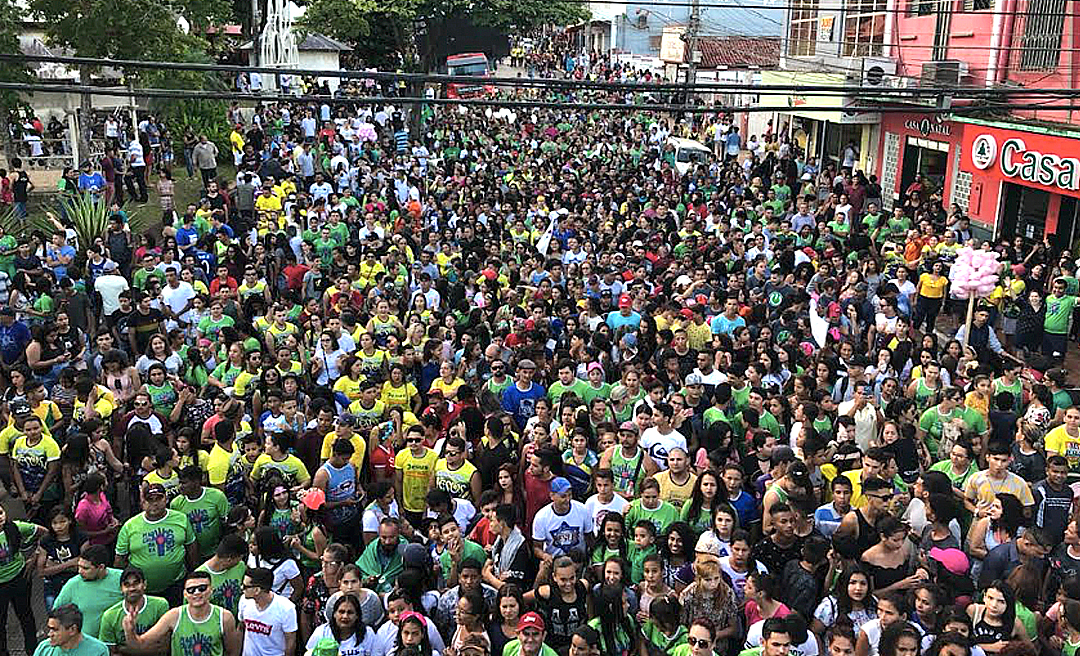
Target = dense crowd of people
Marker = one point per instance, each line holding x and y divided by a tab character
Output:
513	385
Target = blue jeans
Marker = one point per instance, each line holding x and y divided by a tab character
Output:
20	210
187	162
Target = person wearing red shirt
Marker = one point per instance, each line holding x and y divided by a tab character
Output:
223	278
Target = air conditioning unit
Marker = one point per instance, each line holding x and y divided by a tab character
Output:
946	72
878	71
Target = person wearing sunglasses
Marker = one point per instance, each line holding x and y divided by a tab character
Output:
197	622
269	618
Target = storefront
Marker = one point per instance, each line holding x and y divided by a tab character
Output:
1025	179
829	133
918	147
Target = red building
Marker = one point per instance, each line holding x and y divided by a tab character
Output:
1021	181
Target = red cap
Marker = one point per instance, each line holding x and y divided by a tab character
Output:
624	301
530	620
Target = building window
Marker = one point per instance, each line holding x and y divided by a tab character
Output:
864	28
802	39
1040	45
977	5
654	43
921	7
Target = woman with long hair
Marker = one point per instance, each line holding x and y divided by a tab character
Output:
269	551
470	618
891	562
676	549
1001	524
509	607
345	628
412	635
698	510
994	622
619	631
852	601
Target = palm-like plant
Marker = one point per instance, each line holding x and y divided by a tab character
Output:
89	217
13	224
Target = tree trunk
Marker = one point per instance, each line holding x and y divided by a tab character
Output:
6	144
83	120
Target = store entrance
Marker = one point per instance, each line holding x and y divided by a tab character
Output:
1024	213
920	159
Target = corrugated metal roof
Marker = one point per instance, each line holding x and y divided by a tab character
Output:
739	52
314	42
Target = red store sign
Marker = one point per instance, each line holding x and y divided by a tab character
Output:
1035	160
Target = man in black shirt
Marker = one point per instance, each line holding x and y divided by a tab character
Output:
782	545
144	322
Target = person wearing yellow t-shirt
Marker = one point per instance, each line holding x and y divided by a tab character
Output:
267	202
1065	439
454	474
448	382
35	460
399	392
414	473
276	458
931	294
345	430
368	409
350	383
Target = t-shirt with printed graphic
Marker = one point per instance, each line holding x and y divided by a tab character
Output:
157	547
1058	313
1059	441
565	533
416	475
33	460
206	514
265	628
227	587
111	631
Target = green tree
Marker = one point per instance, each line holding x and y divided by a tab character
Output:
11	102
131	29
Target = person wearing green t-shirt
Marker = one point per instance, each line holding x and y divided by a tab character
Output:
531	632
458	549
196	627
567	382
651	507
933	420
158	541
206	508
17	538
1059	311
95	588
227	568
147	609
66	636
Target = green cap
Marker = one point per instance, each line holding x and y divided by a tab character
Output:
325	647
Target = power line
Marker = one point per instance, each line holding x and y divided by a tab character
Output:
802	89
503	102
783	7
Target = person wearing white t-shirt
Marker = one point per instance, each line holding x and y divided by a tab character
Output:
892	607
563	526
605	500
136	171
658	440
267	619
345	627
270	552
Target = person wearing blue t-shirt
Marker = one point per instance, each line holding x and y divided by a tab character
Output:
520	398
624	316
827	518
727	321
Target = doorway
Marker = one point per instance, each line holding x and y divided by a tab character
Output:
1024	213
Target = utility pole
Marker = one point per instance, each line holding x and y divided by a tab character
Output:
692	43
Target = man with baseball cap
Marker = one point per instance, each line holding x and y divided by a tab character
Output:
563	526
530	641
625	316
520	398
160	542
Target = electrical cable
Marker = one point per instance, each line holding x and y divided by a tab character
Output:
954	91
502	102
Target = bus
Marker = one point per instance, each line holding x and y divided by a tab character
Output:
474	64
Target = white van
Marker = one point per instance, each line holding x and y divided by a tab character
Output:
689	153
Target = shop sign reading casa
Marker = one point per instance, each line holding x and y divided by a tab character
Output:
1015	160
